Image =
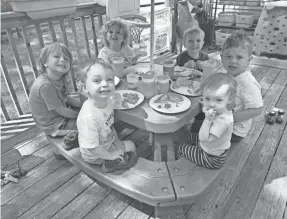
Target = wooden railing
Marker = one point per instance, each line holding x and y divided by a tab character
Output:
77	31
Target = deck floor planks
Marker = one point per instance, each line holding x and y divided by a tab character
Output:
211	205
58	199
40	190
242	200
270	205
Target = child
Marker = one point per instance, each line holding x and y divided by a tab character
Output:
236	56
192	57
98	139
211	148
116	38
48	97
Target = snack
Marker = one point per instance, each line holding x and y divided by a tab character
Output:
181	81
131	98
169	97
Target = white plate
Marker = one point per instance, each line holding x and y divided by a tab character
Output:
143	68
117	80
185	90
186	72
174	107
130	106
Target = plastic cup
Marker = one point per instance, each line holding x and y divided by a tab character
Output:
117	100
118	65
133	80
168	68
163	84
208	68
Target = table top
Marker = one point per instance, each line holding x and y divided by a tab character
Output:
146	118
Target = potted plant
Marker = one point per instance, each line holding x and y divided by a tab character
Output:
37	9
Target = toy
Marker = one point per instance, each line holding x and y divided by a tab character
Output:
275	115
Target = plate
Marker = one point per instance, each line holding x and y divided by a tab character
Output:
143	68
186	72
185	90
117	80
130	105
171	107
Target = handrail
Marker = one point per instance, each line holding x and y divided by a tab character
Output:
16	19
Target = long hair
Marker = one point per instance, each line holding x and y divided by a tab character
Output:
123	27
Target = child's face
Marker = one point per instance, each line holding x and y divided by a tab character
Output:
115	35
193	42
100	83
235	60
58	63
216	99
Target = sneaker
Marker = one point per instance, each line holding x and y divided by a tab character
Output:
70	140
130	159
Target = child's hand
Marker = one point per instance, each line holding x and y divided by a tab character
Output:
117	154
199	64
190	64
209	113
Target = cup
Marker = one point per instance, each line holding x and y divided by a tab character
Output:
208	68
163	84
118	65
117	100
168	68
132	80
148	86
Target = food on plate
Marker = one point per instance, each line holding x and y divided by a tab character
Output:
131	98
182	81
169	97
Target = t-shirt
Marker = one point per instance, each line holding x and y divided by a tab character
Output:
107	54
45	97
183	58
248	95
94	126
221	127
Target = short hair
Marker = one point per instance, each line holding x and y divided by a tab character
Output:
216	80
192	30
124	29
47	50
238	39
98	61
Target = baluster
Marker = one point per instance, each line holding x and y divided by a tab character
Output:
74	31
30	52
4	112
18	63
94	36
86	37
10	87
52	30
39	35
62	25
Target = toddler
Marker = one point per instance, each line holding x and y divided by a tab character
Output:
236	56
116	36
192	57
98	138
213	141
48	98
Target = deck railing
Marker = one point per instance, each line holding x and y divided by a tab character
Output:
19	55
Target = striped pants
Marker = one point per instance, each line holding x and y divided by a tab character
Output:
196	154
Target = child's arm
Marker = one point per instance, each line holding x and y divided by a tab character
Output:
246	114
115	133
67	112
73	102
204	132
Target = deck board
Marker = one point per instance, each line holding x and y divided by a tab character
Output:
57	189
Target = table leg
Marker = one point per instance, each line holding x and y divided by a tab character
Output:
150	138
163	139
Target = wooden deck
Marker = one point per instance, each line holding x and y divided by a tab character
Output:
57	189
